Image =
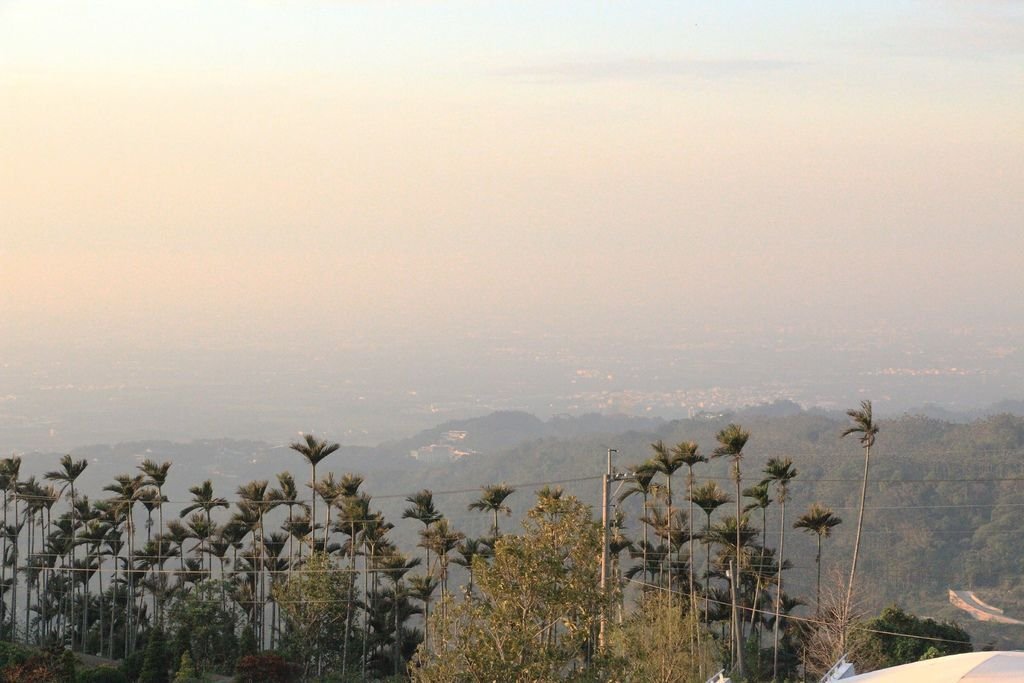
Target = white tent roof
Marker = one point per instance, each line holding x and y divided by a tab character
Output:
972	667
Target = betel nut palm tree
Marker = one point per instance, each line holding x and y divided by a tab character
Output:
863	425
70	470
818	520
314	450
667	461
423	510
780	472
641	483
203	499
492	499
708	497
731	442
688	453
156	476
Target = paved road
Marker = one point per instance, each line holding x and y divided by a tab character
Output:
979	609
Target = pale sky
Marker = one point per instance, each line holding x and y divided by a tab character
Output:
238	171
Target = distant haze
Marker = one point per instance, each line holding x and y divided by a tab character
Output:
249	218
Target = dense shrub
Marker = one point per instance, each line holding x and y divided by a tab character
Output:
35	669
102	674
264	668
12	653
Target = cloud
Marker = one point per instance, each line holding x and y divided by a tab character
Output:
643	69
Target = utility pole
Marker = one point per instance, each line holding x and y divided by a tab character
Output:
609	476
606	484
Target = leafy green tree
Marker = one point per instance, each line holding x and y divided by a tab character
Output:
66	667
207	627
538	606
186	670
653	644
154	665
314	604
875	647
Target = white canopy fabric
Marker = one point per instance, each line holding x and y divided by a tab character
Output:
972	667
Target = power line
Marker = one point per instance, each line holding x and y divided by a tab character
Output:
808	620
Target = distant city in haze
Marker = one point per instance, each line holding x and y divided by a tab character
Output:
364	395
249	219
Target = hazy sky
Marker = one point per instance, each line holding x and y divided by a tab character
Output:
242	172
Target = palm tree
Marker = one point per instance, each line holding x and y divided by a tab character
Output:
203	499
687	453
156	476
255	499
641	483
422	588
467	550
314	450
288	495
330	491
395	566
9	470
779	471
70	471
864	425
666	462
354	511
493	500
731	442
818	520
708	497
442	539
126	491
423	509
761	501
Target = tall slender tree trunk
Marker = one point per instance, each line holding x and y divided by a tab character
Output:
28	574
695	632
738	585
778	591
161	583
3	563
817	590
348	603
856	541
671	562
71	608
14	572
645	542
707	578
312	513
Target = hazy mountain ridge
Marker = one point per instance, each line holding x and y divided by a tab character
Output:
943	501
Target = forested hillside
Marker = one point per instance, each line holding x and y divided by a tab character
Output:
943	503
